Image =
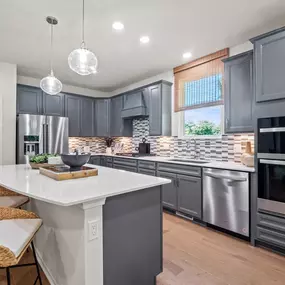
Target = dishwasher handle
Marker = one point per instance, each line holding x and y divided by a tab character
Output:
229	177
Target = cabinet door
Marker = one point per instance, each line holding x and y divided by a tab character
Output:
95	160
72	111
102	114
154	93
87	121
270	67
239	93
189	195
53	105
29	100
116	120
169	191
103	161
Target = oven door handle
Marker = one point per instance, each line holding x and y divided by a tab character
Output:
229	177
273	162
272	130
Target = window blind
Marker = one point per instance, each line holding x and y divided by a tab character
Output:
200	83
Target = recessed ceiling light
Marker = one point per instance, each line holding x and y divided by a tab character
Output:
187	55
144	39
118	26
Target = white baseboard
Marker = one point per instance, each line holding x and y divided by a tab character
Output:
45	269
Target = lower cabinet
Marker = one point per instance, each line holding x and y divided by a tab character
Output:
147	171
125	167
169	191
103	161
189	192
271	229
95	160
183	194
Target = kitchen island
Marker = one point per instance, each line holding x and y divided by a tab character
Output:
103	230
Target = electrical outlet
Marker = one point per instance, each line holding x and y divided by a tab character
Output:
93	229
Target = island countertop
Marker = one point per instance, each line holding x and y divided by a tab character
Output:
109	182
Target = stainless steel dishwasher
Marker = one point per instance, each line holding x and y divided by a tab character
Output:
226	199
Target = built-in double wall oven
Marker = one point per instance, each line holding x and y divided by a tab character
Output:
271	164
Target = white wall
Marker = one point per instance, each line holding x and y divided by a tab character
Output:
168	76
241	48
8	83
66	88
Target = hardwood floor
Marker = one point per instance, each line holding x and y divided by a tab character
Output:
194	255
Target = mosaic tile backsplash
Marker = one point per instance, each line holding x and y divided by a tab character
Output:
226	148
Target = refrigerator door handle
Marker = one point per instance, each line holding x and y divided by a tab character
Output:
47	138
44	138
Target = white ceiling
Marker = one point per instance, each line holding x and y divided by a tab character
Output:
174	26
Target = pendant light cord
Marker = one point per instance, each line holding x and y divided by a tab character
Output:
51	49
83	21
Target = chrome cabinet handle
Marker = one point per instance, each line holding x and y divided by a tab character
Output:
273	162
272	130
227	123
178	182
229	177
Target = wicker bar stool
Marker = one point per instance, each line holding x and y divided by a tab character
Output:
11	199
17	230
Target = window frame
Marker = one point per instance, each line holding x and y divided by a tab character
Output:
181	126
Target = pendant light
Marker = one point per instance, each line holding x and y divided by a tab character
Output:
50	84
82	60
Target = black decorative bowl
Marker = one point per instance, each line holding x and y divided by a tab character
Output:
75	161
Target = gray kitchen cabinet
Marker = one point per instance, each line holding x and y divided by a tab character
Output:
146	171
125	167
159	103
87	119
239	93
102	117
96	160
73	112
269	65
103	161
53	105
169	191
29	100
189	193
119	126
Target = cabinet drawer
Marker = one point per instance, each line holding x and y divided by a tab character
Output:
272	222
271	236
179	169
109	159
94	160
125	167
146	164
110	164
125	161
146	171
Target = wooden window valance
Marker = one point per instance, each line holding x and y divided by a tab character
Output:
200	83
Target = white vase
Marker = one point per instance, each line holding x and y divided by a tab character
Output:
108	150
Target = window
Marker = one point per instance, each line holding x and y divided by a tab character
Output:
199	95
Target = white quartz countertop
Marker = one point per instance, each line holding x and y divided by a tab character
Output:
109	182
210	164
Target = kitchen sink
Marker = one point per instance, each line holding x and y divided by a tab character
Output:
190	160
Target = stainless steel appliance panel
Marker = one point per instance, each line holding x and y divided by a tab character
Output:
29	126
226	200
56	135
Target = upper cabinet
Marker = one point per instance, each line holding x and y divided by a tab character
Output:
87	118
29	100
32	100
269	59
239	93
102	117
53	105
73	112
119	126
159	109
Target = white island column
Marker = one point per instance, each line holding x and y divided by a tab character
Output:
93	237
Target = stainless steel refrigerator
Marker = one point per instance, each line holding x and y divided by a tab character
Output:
40	134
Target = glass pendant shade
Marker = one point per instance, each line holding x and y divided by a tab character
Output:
51	85
83	61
